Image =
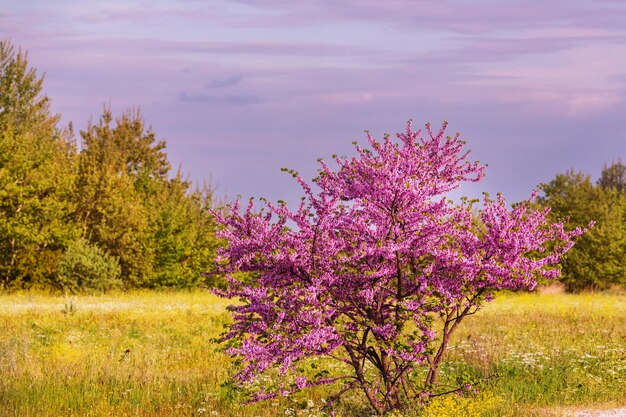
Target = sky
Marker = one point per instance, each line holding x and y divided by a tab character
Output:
240	89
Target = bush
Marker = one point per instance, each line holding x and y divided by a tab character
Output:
87	267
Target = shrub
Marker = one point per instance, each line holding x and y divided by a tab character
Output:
87	267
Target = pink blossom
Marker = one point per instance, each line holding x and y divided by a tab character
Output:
374	248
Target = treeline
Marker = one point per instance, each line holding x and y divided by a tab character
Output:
598	260
99	212
103	209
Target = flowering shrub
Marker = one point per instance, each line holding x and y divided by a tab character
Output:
362	270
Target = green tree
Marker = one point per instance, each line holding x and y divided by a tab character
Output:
110	206
184	234
159	229
37	165
597	259
113	200
613	177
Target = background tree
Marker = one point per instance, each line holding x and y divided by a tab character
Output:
184	234
598	259
115	204
359	271
613	177
121	167
36	176
160	231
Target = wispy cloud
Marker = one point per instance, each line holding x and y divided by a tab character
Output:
229	99
590	103
225	82
467	17
134	13
523	77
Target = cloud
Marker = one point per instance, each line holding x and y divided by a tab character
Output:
618	78
142	48
230	99
458	16
584	104
270	48
134	13
300	78
225	82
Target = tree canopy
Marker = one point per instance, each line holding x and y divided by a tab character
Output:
37	167
111	203
357	273
597	260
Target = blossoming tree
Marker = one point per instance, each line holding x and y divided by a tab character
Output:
375	270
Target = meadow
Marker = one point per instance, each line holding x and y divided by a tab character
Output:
152	354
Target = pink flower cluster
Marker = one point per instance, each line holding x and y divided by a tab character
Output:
357	271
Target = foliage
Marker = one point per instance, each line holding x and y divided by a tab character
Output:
184	234
161	232
87	267
358	272
117	193
597	260
614	177
36	176
110	209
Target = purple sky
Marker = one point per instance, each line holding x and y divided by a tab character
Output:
240	89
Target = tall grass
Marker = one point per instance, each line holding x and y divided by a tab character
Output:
546	351
151	354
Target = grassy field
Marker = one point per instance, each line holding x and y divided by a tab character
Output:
150	354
